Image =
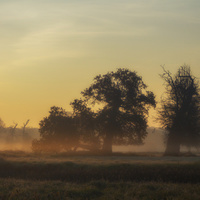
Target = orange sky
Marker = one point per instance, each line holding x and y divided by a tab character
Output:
51	50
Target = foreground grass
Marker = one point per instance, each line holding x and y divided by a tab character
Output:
24	176
20	189
81	173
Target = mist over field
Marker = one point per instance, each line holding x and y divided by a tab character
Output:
154	141
17	141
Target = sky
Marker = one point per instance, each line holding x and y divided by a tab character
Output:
51	50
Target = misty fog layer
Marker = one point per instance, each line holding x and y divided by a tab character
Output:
16	140
154	142
19	142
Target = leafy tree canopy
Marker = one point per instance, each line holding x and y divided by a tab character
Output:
124	104
58	132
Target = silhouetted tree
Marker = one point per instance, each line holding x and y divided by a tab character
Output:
2	127
123	107
12	132
85	122
25	135
61	131
58	132
2	124
180	110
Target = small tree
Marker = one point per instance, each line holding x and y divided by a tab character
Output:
180	110
85	123
124	104
58	132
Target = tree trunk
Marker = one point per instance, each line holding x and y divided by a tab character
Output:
173	146
107	144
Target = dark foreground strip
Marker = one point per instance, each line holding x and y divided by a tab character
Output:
71	172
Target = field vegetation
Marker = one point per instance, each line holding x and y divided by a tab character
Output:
22	189
120	176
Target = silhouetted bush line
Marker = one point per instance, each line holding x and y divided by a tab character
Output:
71	172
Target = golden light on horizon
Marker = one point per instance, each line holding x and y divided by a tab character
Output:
51	51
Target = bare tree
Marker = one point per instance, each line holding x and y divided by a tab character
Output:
13	129
180	110
24	128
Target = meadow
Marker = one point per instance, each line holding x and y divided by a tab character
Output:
81	176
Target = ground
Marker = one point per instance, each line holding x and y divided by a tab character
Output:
118	176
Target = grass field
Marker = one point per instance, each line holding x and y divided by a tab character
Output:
128	176
20	189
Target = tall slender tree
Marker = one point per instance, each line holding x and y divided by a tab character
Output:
180	110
